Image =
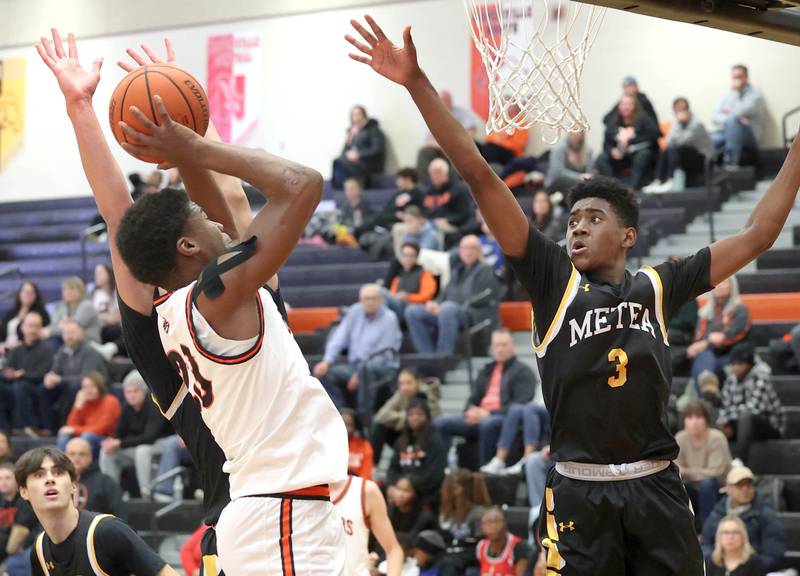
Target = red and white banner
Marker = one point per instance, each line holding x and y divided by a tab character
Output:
233	79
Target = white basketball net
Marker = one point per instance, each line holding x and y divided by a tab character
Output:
534	52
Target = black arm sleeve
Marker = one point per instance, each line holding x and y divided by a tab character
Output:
278	299
120	550
543	271
684	280
144	348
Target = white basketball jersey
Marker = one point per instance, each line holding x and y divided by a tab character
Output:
350	504
275	423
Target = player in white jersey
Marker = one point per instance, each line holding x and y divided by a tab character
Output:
283	440
167	241
362	508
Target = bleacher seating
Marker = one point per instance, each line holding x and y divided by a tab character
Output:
40	241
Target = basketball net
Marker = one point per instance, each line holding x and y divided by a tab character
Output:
534	52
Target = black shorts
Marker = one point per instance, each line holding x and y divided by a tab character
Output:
209	565
639	527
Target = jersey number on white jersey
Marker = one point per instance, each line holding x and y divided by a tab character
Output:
201	389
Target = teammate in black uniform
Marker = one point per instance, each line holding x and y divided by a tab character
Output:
614	504
76	542
223	199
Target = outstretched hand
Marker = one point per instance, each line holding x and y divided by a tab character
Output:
76	84
154	59
398	64
168	140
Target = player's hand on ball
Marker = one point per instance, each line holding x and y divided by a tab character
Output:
397	63
154	59
169	140
77	84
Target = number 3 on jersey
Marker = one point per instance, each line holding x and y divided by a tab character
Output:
618	356
201	389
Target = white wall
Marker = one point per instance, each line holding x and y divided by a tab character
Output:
310	83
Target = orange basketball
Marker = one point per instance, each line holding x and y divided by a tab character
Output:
182	94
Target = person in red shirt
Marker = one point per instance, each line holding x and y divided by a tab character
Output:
500	384
94	415
501	552
360	463
191	556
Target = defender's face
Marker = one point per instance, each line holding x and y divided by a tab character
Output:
48	488
595	235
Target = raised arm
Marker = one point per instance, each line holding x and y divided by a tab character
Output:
102	171
221	196
399	64
292	191
381	527
768	218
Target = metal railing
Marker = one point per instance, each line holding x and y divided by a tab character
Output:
473	329
366	388
177	500
787	138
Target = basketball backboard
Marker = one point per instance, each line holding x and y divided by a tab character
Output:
777	20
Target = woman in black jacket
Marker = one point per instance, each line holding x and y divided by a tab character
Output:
364	150
631	143
419	454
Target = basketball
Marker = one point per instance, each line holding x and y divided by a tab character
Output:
182	94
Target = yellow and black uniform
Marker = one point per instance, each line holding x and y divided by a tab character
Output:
605	362
178	406
100	544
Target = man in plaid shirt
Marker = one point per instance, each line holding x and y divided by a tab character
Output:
751	410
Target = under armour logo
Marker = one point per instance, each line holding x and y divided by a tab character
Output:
165	325
50	565
585	287
568	526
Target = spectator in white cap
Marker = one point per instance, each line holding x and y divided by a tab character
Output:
764	529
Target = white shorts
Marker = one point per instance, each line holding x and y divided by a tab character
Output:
280	536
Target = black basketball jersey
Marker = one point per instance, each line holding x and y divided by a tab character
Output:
100	544
178	406
603	352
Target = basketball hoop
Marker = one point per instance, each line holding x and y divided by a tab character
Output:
534	64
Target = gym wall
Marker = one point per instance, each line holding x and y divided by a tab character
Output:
309	83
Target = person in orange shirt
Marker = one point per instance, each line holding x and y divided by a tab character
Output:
360	463
500	147
412	284
94	415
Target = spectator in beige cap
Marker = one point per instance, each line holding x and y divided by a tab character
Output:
764	529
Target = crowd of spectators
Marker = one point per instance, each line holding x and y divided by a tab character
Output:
446	274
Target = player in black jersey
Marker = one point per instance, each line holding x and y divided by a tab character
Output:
223	200
614	504
76	542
